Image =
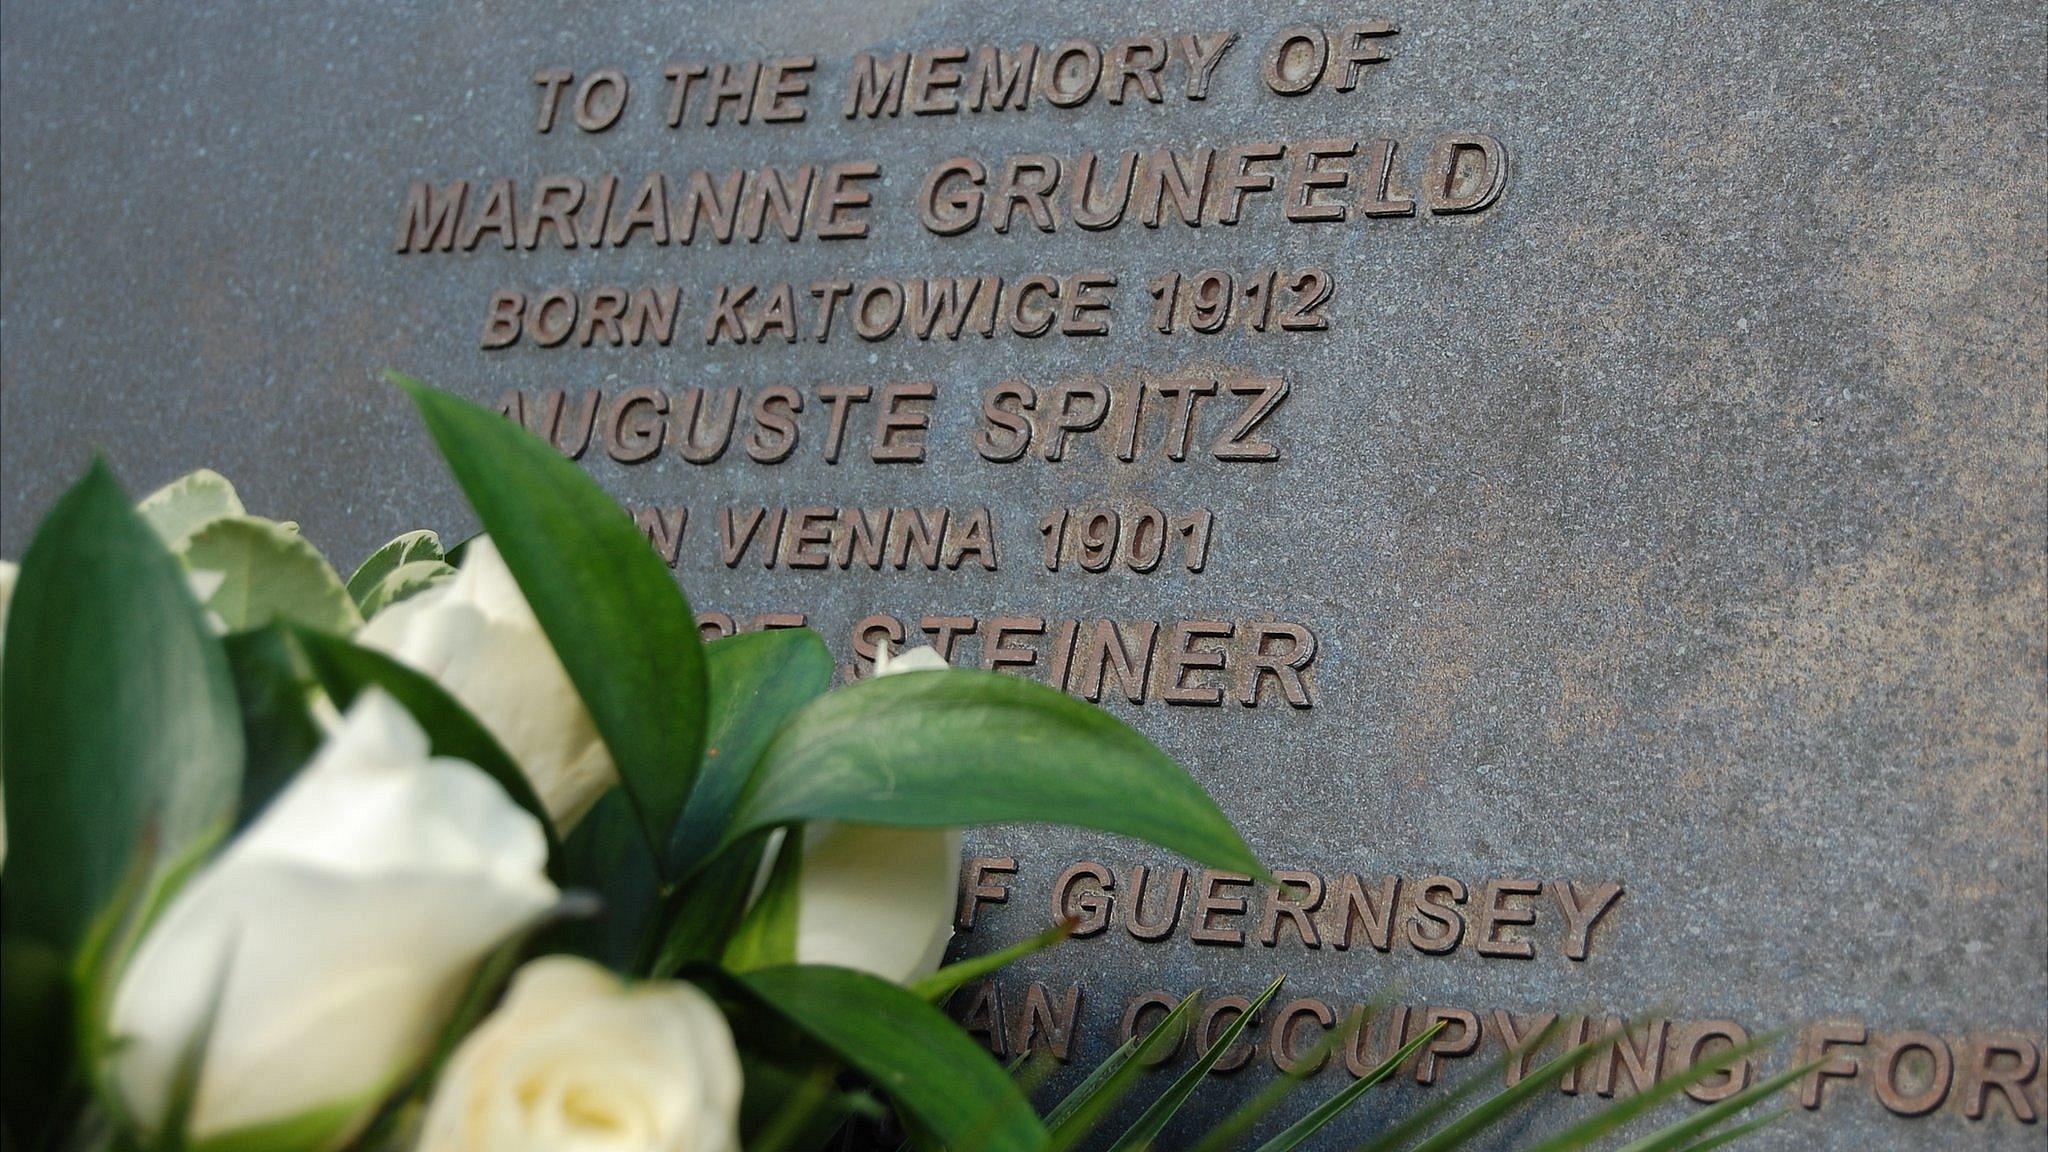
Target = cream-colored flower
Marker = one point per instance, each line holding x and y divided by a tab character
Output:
338	930
577	1061
874	898
478	638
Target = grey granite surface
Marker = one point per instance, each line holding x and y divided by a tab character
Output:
1677	521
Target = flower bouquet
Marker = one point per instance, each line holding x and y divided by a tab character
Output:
484	850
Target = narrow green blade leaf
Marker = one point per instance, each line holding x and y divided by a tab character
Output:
1582	1134
183	506
1076	1116
758	681
766	937
937	986
1500	1104
1154	1119
1420	1120
920	1059
1321	1115
120	714
946	748
607	603
345	669
410	548
1099	1077
1731	1135
1677	1135
1226	1135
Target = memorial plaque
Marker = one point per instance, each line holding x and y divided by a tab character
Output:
1567	477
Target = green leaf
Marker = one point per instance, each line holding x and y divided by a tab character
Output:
345	669
1582	1134
1322	1114
120	718
758	681
940	984
1074	1117
411	548
190	502
1677	1135
702	911
1413	1124
606	855
269	574
1496	1107
768	1110
314	1129
803	1116
954	747
912	1052
766	937
404	582
278	728
607	603
1229	1133
1153	1120
36	1036
1731	1135
116	934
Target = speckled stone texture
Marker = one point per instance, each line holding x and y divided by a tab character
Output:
1678	521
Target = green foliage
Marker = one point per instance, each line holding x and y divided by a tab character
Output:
121	717
940	984
36	1029
417	547
315	1129
1448	1129
1077	1114
405	582
606	856
275	687
934	749
189	503
124	748
766	936
1583	1134
269	573
759	680
1149	1123
608	605
1681	1134
939	1077
1322	1114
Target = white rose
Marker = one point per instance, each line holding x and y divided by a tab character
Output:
477	637
339	929
575	1060
874	898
